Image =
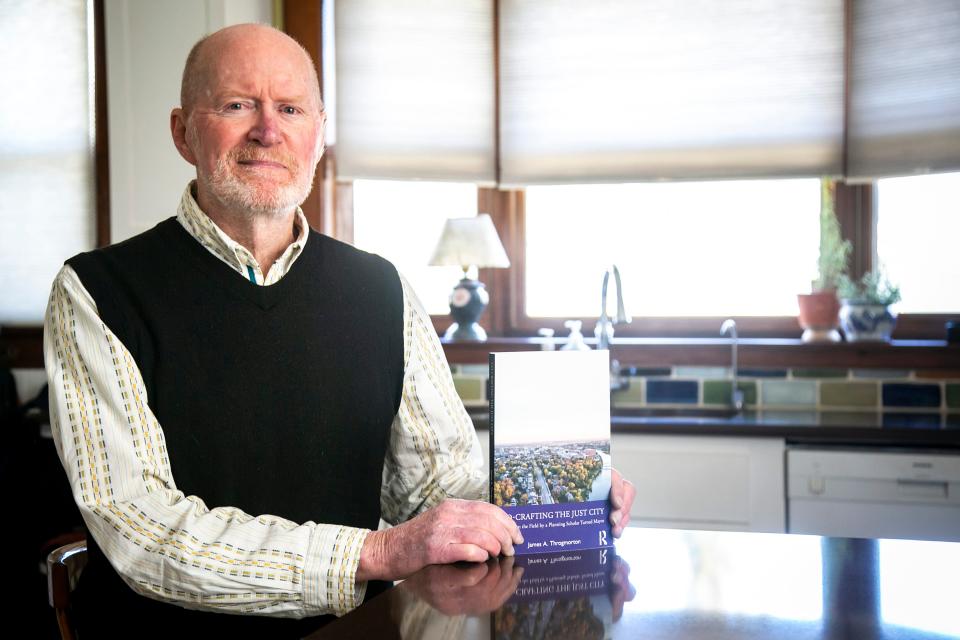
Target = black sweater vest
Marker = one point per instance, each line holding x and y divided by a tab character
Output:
273	399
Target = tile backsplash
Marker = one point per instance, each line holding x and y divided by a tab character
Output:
838	391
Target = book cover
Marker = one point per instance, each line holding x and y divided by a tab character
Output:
550	447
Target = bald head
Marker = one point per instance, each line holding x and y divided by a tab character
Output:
211	50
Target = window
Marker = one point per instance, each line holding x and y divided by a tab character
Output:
683	249
402	222
918	224
733	231
47	210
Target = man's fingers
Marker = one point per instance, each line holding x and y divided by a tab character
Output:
507	522
623	515
476	537
466	553
496	520
622	493
616	489
629	493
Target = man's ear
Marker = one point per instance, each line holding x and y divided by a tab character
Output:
178	129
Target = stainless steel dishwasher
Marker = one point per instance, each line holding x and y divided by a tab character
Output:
873	493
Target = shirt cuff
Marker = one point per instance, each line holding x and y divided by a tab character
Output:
329	581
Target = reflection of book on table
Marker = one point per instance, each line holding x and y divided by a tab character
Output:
561	595
550	446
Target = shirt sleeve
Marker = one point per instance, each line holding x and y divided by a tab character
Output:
166	545
434	451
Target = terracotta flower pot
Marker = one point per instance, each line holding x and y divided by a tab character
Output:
819	316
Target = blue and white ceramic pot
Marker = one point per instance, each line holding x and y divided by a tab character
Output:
863	322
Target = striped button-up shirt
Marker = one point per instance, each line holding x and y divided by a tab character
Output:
174	547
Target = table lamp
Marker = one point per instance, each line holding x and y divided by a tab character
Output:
467	242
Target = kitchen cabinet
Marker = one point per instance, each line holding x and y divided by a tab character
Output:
704	482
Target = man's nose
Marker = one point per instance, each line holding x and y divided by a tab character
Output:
266	128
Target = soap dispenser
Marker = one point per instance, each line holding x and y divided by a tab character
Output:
575	339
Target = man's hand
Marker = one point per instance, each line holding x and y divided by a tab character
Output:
621	497
453	531
466	590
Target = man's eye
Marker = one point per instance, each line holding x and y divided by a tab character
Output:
235	106
289	110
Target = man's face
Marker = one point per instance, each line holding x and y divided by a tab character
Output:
255	129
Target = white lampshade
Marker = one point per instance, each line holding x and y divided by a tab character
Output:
470	241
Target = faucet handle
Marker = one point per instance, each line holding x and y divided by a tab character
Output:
729	326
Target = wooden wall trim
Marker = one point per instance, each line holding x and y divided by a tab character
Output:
101	151
302	21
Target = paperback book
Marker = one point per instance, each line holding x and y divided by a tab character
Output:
550	447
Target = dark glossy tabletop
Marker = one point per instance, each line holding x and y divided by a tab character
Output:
661	583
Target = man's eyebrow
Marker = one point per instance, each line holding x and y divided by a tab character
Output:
227	95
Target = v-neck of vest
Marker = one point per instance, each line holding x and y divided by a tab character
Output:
263	296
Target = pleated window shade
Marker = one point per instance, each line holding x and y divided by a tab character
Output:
415	90
640	90
47	198
618	90
904	88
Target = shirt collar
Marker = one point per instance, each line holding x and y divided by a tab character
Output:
216	241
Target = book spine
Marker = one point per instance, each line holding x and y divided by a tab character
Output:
490	395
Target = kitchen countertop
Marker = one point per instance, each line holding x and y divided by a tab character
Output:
681	584
853	428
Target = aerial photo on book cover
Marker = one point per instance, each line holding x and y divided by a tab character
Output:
550	447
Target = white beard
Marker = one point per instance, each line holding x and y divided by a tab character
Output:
253	200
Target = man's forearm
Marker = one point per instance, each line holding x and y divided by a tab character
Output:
164	544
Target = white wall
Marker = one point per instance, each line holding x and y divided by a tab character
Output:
147	43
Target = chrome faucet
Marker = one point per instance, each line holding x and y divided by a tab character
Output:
604	329
736	395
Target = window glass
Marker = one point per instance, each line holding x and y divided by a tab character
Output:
46	158
683	249
918	228
402	222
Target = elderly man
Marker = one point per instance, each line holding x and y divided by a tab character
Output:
230	363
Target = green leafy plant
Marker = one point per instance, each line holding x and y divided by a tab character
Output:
873	288
834	250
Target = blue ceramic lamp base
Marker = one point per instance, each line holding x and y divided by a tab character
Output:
467	303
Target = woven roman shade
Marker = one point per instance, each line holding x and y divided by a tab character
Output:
904	88
620	90
415	90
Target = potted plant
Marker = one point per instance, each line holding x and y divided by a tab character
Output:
865	314
820	309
